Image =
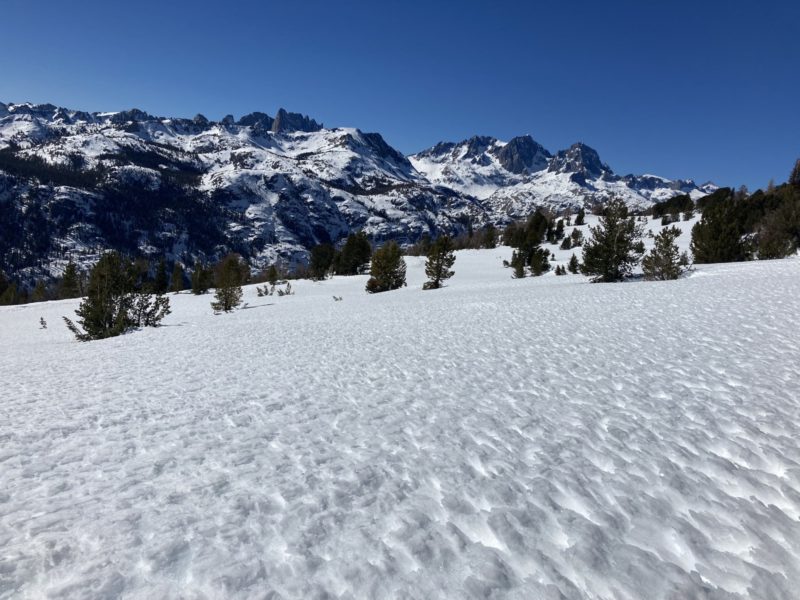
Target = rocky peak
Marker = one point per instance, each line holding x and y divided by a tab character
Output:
580	160
477	145
522	155
286	122
133	115
257	120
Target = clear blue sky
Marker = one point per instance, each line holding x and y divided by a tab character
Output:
708	90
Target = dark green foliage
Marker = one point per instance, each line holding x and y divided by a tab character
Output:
230	272
272	275
161	279
113	304
440	259
202	278
580	218
320	261
39	292
489	236
665	261
69	287
355	253
794	177
573	266
735	226
518	265
615	247
177	283
559	229
388	269
673	206
538	261
10	295
577	237
566	243
560	270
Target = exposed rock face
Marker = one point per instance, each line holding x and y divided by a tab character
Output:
580	159
523	155
286	122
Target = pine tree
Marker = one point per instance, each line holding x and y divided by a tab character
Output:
69	286
566	243
664	261
615	246
490	236
272	275
794	178
538	261
161	280
10	295
388	269
112	305
320	261
573	265
354	254
440	259
230	274
560	229
580	217
177	284
39	292
518	264
202	279
577	237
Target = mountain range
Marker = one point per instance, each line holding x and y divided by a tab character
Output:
74	183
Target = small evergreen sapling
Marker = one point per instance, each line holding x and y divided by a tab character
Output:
573	265
230	274
664	261
440	259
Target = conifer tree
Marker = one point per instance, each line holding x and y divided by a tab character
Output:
39	292
10	295
566	243
615	246
440	259
320	260
794	178
560	229
518	264
69	286
202	279
230	274
177	284
577	237
538	261
161	280
573	265
112	305
580	217
664	261
272	275
388	269
490	236
354	254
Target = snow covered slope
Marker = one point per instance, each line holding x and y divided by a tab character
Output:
513	178
534	438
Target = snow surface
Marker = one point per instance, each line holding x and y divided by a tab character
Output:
535	438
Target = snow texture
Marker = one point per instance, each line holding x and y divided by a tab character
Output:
498	438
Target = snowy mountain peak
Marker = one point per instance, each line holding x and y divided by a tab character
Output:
582	161
522	155
287	122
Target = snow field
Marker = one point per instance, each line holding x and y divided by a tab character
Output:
536	438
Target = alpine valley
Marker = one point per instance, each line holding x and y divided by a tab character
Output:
73	184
